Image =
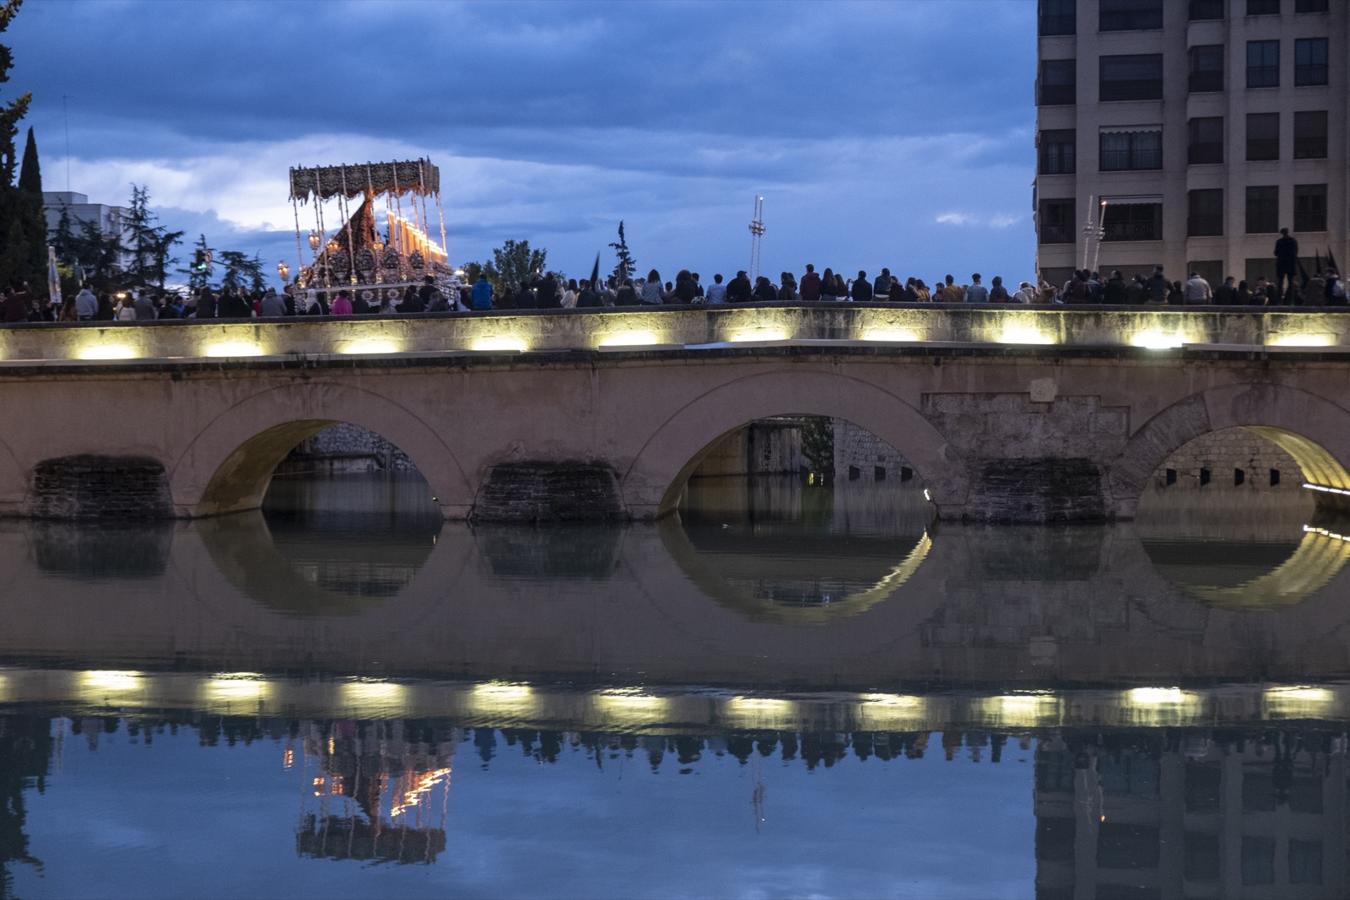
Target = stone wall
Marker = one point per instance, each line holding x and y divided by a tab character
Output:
100	487
348	448
549	492
859	455
1229	460
765	447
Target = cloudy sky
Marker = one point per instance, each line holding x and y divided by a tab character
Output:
880	133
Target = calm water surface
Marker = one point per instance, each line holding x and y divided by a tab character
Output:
789	690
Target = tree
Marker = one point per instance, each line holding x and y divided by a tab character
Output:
99	254
18	221
625	265
151	244
14	111
514	264
203	265
242	272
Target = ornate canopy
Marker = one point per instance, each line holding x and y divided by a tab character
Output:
417	176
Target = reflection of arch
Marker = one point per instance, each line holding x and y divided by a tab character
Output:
1314	431
13	480
687	557
1318	558
229	465
653	483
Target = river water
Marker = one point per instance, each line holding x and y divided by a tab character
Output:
788	690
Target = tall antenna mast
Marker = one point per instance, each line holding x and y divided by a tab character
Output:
756	232
65	108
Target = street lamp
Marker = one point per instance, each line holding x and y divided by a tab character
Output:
314	239
284	271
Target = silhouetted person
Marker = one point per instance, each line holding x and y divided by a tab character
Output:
1286	265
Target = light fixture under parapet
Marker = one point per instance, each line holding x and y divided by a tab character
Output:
1158	340
107	351
233	348
634	338
1020	710
1298	702
1021	333
1324	489
368	692
1154	696
100	683
235	686
369	346
891	335
766	334
498	343
634	703
1302	339
502	698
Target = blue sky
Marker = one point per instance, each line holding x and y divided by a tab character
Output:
881	133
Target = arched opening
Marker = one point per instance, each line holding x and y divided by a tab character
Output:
1229	517
800	518
346	519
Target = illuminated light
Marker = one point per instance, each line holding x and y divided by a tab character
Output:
369	345
1309	529
1158	340
927	496
1301	340
503	698
233	348
498	344
759	704
746	335
1153	696
1302	694
420	787
1324	489
288	758
4	683
111	682
1298	702
631	701
636	338
905	701
242	686
1024	334
892	335
108	351
373	692
1021	710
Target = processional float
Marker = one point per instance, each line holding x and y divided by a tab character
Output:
376	265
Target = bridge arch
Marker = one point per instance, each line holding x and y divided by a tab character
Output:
13	481
228	466
1311	429
652	484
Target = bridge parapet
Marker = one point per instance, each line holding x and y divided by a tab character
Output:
538	330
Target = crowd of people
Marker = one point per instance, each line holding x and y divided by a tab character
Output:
1293	287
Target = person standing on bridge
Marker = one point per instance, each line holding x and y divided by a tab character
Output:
1197	290
1286	266
481	297
810	287
977	292
717	291
862	288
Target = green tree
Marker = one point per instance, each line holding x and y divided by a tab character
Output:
17	222
241	271
203	265
99	255
818	445
625	265
32	219
514	264
150	244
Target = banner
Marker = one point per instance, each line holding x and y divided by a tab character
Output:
53	277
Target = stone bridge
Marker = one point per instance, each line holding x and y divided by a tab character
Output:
1006	414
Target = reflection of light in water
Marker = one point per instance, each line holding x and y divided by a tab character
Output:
1020	710
373	694
502	698
411	794
758	712
632	704
1299	702
1154	706
235	686
99	683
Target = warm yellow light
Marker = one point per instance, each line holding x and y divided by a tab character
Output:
1020	710
636	338
631	702
1024	334
233	348
369	345
499	344
891	335
1301	340
372	692
503	699
1298	702
1155	696
4	685
1158	340
108	351
767	333
759	704
110	682
893	700
239	686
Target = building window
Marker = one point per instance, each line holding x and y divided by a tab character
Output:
1202	857
1258	860
1212	270
1058	82
1206	141
1310	135
1263	7
1058	152
1263	209
1206	68
1058	17
1125	151
1305	862
1310	62
1263	64
1134	77
1263	136
1206	9
1310	6
1310	207
1122	846
1130	15
1205	217
1132	222
1055	222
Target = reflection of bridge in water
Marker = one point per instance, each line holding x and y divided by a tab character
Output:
672	605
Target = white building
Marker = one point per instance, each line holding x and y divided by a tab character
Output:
112	219
1206	125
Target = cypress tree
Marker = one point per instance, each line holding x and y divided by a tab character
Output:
17	256
32	220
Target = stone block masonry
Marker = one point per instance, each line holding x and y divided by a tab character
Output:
1234	458
100	487
549	492
350	448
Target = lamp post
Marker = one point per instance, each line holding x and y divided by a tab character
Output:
284	271
377	247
